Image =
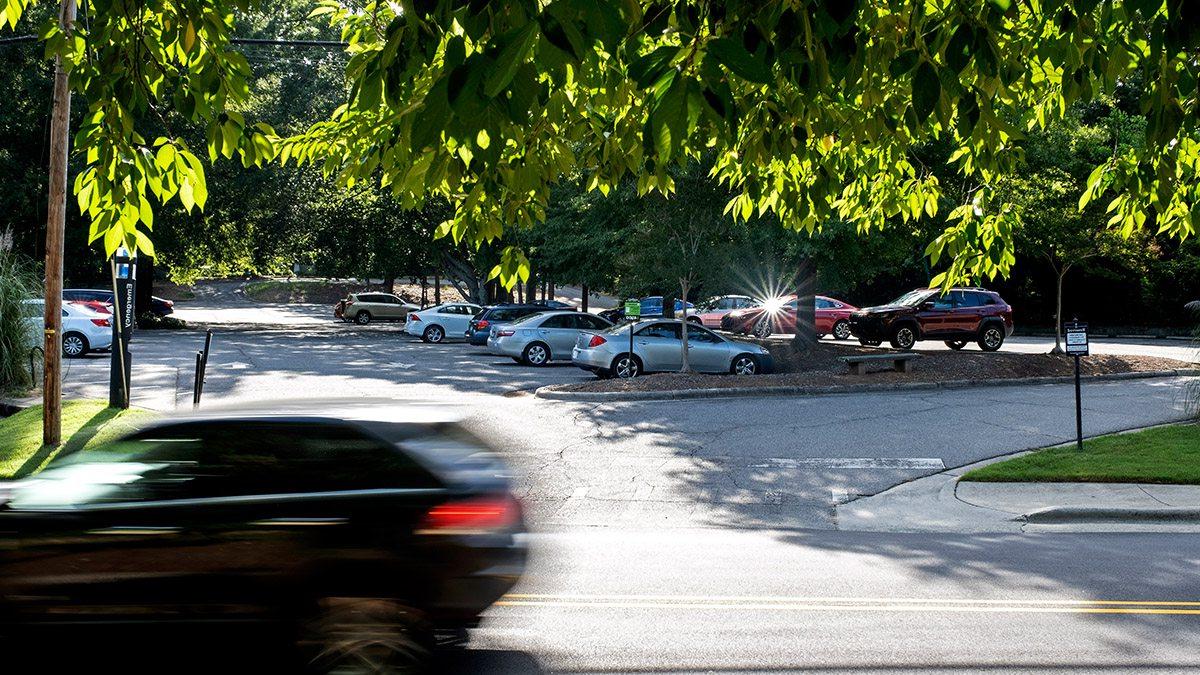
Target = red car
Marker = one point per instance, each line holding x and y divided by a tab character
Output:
779	316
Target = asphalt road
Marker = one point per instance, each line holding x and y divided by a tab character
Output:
674	536
722	601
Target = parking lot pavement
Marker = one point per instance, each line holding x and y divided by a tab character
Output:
778	462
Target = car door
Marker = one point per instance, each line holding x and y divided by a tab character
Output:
389	307
969	311
659	346
559	332
707	352
936	315
825	316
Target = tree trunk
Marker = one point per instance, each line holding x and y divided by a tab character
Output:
685	366
669	306
389	284
520	292
1058	319
437	288
424	292
583	303
806	308
550	290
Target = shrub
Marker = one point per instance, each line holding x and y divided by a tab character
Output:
19	281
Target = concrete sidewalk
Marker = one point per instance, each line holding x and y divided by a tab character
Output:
940	503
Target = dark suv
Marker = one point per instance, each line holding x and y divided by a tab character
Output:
357	532
481	326
959	316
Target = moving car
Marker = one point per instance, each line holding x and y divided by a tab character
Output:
957	317
83	330
363	308
354	533
480	326
652	306
433	324
657	347
711	311
101	300
779	316
541	338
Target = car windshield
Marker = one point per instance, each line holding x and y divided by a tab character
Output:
912	298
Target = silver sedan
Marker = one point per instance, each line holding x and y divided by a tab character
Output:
657	348
541	338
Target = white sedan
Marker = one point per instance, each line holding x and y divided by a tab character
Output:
433	324
83	330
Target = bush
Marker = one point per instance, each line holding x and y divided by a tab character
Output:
19	281
152	321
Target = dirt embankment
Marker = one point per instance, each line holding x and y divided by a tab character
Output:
822	367
329	292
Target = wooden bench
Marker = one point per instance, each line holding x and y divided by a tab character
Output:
900	361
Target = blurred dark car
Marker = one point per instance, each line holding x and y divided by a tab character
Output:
355	535
98	297
480	327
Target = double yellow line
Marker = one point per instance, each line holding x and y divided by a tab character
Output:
836	604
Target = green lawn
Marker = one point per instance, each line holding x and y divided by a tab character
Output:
85	424
1168	454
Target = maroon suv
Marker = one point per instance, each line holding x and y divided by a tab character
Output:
957	317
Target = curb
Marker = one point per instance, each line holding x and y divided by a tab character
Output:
551	393
1092	514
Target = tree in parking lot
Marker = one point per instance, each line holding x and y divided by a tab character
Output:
811	108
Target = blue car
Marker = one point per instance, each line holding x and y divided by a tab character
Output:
652	307
481	326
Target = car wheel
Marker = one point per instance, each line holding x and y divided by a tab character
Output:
434	334
991	338
904	337
363	635
362	318
744	364
841	330
762	330
956	344
625	367
696	320
74	345
536	354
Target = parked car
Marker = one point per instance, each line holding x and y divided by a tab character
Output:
538	339
554	304
101	300
433	324
363	308
652	307
710	312
779	315
83	330
352	533
657	348
957	317
480	326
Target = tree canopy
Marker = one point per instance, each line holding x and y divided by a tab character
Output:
813	109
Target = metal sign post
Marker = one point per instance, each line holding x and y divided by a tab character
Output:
1077	346
633	312
124	289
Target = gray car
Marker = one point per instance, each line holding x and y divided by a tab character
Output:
544	337
657	348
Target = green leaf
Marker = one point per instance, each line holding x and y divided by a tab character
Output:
510	59
734	56
646	69
926	90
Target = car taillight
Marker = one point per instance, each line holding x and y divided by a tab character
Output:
505	333
483	323
596	341
101	322
414	317
472	516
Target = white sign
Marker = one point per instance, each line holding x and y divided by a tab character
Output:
1077	339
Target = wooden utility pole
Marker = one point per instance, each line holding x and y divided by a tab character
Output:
56	214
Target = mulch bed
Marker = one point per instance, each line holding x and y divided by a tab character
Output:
822	367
